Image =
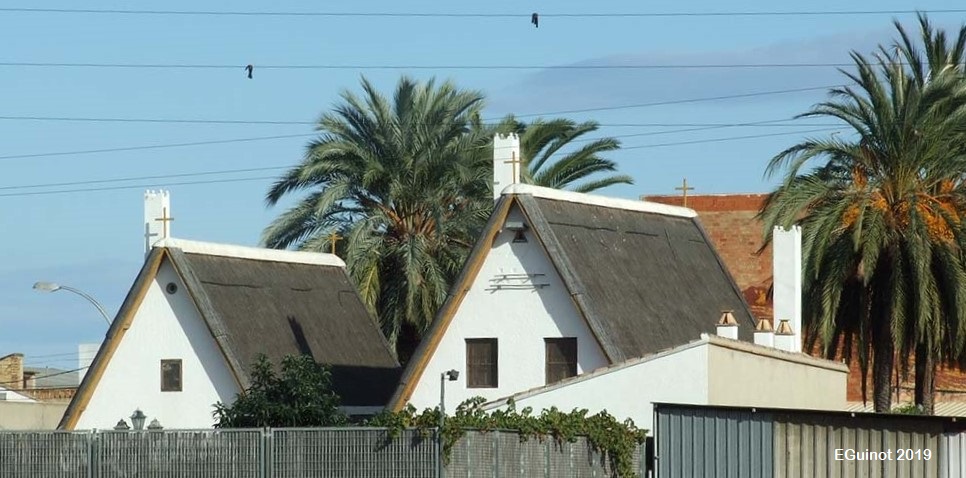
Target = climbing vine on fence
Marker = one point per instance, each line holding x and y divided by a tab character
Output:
616	440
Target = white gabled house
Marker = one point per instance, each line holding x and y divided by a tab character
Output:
561	284
199	314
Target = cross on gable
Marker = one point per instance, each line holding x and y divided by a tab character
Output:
165	219
514	161
333	239
684	189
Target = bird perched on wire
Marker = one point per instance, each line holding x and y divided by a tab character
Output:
535	20
250	69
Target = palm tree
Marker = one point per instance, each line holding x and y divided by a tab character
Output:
406	183
937	58
541	141
880	214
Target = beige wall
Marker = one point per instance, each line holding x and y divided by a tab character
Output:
30	416
743	378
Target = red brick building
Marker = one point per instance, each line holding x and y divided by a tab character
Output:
730	221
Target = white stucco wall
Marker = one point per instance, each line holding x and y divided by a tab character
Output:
629	392
519	319
704	372
739	378
167	326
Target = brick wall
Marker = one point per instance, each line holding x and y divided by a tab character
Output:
729	220
52	394
950	383
11	371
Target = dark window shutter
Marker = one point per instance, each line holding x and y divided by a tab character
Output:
171	375
482	369
561	358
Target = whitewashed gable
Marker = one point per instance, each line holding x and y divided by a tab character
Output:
518	298
165	326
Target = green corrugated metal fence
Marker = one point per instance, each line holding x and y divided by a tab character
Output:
731	442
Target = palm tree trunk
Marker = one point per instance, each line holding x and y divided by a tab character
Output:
883	358
925	380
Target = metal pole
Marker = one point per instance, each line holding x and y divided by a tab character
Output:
90	299
442	413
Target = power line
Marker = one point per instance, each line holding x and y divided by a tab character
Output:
733	138
276	168
142	178
65	372
273	122
488	121
149	120
424	67
155	146
526	15
699	127
63	354
685	101
139	186
216	181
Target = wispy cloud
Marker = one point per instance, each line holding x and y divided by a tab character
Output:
555	89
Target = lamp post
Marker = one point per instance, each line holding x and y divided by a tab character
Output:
137	419
54	287
450	375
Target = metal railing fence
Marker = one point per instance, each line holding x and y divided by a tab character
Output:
353	452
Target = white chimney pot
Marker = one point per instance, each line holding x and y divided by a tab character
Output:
764	334
786	337
727	326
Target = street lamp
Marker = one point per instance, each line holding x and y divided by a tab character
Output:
450	375
137	419
54	287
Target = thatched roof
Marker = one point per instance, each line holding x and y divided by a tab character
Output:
276	303
644	276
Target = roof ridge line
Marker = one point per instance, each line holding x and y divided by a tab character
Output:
603	201
249	252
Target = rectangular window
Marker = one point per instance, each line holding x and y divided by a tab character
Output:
561	358
171	375
481	363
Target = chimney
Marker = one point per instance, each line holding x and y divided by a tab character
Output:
157	218
764	334
786	338
727	325
29	380
787	280
506	162
11	372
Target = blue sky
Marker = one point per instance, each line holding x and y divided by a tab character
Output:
92	239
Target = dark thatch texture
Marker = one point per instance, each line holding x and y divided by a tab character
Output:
282	308
648	281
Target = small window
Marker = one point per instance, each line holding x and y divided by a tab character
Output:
520	236
481	363
171	375
561	358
